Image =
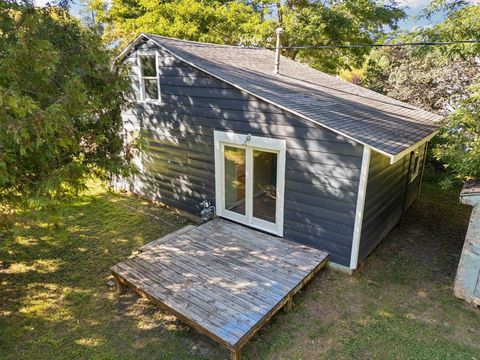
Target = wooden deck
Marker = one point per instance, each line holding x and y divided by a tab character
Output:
223	279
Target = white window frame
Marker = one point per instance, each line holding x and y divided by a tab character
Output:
142	78
250	143
415	168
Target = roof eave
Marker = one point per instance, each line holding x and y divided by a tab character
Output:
396	157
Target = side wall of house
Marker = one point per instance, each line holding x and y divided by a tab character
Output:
389	194
177	168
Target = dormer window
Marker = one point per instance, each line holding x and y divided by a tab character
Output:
149	78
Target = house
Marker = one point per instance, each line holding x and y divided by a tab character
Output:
300	154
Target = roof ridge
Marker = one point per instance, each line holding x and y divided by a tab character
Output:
208	43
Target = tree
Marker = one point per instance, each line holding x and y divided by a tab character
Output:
458	146
335	22
305	23
59	102
444	79
223	22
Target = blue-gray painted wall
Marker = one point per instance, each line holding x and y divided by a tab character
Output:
389	194
322	167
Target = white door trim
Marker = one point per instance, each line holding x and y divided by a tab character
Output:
362	191
250	143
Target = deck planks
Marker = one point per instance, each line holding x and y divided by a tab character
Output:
223	279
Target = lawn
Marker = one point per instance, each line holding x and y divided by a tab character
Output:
55	302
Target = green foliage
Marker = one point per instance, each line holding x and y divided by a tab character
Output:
458	146
223	22
59	103
253	23
335	22
441	79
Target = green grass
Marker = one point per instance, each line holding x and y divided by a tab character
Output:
55	303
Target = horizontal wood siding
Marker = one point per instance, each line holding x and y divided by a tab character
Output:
322	168
384	200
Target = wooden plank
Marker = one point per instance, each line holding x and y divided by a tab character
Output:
210	330
272	290
165	238
175	302
239	252
235	355
202	299
261	240
240	269
245	306
264	264
282	264
279	305
249	296
255	240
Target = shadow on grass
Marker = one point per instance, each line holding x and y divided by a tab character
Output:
54	300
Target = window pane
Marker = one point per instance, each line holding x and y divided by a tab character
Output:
264	185
151	89
235	179
148	64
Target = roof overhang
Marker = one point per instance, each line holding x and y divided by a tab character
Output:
393	157
131	45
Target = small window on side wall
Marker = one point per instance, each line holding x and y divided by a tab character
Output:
415	165
149	78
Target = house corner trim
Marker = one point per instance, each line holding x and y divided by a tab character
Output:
362	191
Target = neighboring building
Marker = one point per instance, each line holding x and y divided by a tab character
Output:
467	281
299	154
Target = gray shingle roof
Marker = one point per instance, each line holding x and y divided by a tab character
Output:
378	121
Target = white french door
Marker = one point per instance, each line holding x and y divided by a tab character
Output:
250	180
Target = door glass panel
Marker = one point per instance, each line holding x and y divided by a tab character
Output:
235	179
264	185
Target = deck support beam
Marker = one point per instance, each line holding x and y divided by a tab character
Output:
235	355
288	305
119	285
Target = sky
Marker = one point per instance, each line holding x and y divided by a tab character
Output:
412	7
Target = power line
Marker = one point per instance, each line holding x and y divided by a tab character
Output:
421	43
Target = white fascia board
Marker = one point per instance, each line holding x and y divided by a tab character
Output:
127	49
401	155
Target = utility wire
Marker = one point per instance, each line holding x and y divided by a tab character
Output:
421	43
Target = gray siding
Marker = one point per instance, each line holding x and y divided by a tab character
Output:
322	168
389	195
